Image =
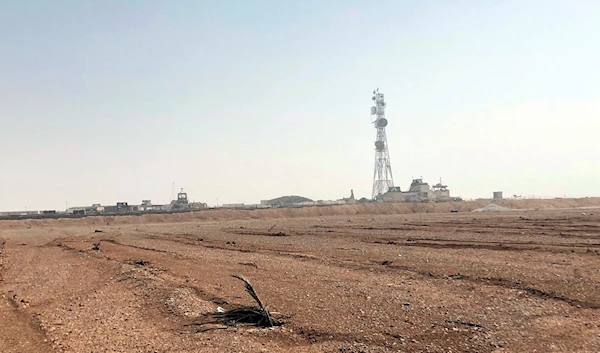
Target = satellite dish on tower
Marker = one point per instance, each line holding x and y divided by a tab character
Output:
373	110
379	145
382	122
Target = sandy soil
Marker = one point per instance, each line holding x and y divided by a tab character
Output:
518	281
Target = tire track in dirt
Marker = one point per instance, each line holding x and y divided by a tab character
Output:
558	230
143	276
502	282
455	243
308	335
142	263
531	290
21	332
367	266
311	335
61	243
489	245
506	245
133	246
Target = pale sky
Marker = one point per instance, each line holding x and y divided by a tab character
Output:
105	101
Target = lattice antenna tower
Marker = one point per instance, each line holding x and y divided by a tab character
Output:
382	177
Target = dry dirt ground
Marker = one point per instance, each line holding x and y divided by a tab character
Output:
518	281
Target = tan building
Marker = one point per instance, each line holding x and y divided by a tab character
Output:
419	191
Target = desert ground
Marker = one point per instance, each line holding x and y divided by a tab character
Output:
356	278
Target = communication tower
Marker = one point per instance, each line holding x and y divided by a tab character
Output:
382	178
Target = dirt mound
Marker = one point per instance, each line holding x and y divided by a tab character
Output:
218	215
492	208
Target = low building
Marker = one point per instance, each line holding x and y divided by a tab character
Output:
80	211
286	201
233	205
122	207
181	203
419	191
13	213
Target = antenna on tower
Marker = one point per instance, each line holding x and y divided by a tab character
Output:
382	176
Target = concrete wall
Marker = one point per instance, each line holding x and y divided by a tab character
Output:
233	205
392	196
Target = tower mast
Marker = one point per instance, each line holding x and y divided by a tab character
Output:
382	177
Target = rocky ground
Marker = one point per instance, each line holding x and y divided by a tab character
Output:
518	281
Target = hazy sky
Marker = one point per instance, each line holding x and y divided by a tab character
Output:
105	101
